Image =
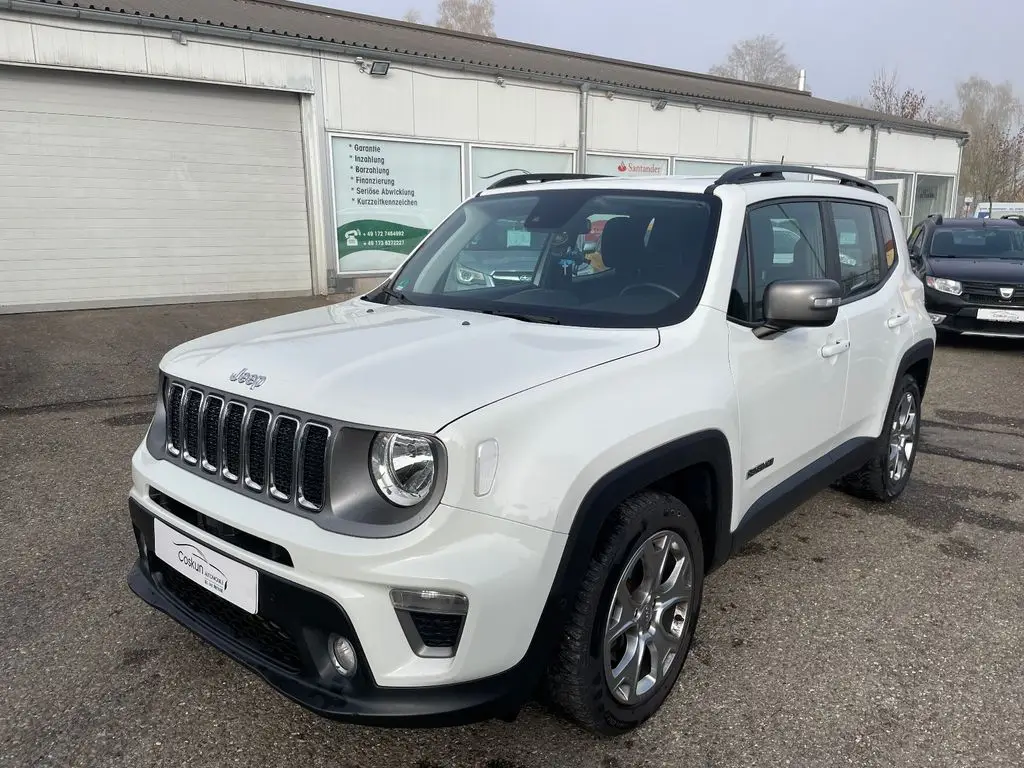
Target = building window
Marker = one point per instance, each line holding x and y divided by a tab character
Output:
702	167
933	194
624	165
388	195
489	164
899	190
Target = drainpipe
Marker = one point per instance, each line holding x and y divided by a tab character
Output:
873	152
581	151
956	185
750	140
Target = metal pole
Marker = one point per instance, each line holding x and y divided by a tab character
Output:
581	151
873	152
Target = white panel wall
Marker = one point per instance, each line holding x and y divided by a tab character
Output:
809	143
711	133
924	154
633	126
71	44
435	104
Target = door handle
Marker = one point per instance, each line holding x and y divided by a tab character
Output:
895	321
835	348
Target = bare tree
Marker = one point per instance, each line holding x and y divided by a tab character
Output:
413	16
474	16
885	94
993	167
760	59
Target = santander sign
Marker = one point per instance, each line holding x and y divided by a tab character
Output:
641	168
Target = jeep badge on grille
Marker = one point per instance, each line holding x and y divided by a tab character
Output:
251	379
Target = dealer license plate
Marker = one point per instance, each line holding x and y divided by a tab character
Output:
1002	315
227	578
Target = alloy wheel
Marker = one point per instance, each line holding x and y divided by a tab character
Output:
902	437
647	617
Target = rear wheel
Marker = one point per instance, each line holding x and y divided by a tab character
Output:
885	477
633	620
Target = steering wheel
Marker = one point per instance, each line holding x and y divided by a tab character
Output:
656	286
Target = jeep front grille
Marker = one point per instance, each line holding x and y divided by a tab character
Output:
276	455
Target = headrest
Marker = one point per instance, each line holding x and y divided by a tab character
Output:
621	241
803	259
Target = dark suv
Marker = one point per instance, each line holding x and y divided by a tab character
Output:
973	271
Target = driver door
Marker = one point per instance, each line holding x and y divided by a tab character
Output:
790	389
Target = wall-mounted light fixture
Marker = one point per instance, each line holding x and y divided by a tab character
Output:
840	127
659	104
375	68
179	37
500	81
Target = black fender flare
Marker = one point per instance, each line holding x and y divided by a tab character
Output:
922	350
705	447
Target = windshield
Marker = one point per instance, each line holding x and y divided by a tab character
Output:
978	243
591	257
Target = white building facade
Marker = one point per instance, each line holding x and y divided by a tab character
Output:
150	157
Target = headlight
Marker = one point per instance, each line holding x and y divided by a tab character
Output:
945	285
468	276
404	467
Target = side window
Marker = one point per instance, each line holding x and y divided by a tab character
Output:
739	296
888	237
786	243
860	263
916	240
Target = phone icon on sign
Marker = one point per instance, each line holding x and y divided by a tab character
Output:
352	238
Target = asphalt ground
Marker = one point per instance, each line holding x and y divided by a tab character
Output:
848	634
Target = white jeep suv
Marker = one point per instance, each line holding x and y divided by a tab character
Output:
424	505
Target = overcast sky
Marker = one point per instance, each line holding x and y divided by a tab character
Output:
840	43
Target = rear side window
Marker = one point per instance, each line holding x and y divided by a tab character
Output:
888	238
860	260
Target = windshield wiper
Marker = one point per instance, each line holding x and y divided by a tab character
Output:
398	296
525	317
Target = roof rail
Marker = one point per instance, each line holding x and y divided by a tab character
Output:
540	178
745	174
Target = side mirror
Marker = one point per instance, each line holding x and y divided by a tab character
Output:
799	304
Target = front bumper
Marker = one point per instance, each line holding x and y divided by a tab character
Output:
961	317
313	582
285	643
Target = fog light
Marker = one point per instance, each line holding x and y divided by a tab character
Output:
936	319
430	601
343	655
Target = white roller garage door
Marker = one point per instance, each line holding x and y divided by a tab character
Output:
118	190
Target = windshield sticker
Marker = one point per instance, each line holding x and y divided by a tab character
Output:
517	238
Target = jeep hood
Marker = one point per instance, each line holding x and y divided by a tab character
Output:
394	366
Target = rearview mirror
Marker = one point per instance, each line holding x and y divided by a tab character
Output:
799	304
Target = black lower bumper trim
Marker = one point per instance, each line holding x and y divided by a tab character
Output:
297	665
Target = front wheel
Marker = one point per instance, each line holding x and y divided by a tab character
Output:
632	622
885	477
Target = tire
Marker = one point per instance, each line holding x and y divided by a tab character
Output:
576	681
876	481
